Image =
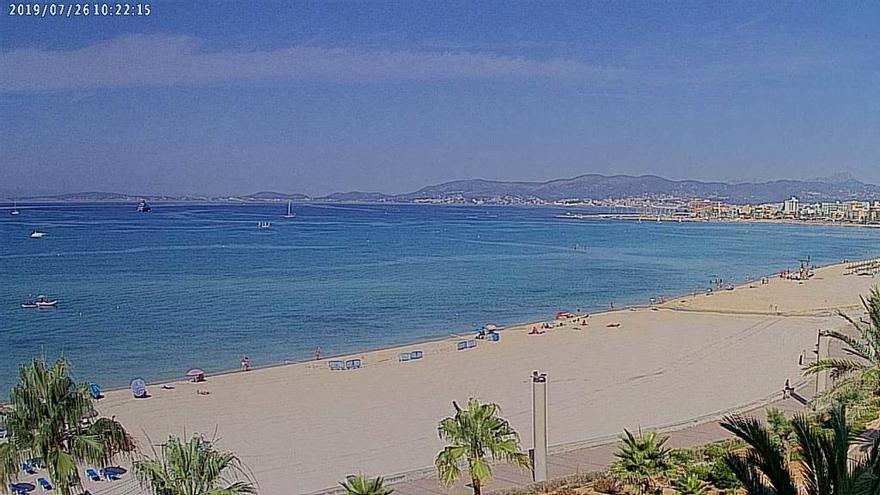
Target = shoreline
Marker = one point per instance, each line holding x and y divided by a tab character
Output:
305	426
667	305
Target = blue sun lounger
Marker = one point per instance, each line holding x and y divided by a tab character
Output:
93	475
403	356
462	345
28	469
44	484
416	355
337	365
353	364
111	476
471	343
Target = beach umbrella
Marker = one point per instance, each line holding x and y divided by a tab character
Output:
138	387
491	327
195	372
21	487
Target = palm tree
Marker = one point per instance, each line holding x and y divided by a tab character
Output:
473	434
690	484
865	368
826	467
361	485
49	419
193	467
641	459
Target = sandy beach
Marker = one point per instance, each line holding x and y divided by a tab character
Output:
301	428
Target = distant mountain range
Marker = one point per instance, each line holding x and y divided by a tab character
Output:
583	187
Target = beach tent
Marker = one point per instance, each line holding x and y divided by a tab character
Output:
95	390
138	388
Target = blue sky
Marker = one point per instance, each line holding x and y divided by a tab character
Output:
236	97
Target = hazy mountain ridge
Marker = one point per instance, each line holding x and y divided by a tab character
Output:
589	186
594	186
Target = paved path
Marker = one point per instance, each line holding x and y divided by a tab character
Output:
595	458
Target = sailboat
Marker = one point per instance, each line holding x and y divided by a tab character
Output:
290	213
14	208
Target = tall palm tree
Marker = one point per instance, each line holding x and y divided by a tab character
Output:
48	420
863	368
641	459
194	467
361	485
475	435
826	466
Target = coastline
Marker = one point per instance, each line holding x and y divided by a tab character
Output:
325	425
672	303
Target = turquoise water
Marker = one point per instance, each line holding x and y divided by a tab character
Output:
199	285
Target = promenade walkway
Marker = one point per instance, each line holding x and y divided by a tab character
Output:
593	458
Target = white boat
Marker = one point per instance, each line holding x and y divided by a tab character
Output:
264	225
14	208
290	213
40	302
37	234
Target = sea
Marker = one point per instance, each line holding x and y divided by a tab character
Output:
154	294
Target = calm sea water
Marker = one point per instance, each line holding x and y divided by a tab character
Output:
199	285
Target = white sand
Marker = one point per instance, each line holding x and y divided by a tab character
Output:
301	428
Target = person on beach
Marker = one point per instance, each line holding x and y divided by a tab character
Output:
611	305
318	353
245	363
787	389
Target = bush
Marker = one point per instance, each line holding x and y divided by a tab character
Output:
721	476
608	484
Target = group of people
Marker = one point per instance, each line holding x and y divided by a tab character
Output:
246	362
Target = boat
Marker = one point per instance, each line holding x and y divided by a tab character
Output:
290	213
264	225
143	207
15	208
40	302
36	234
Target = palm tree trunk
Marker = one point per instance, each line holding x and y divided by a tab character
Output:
476	484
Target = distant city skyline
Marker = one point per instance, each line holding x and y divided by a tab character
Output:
239	97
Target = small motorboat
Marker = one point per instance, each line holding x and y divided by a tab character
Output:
15	209
36	234
143	207
41	301
44	302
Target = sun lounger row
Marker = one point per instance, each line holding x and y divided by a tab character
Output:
465	344
351	364
410	356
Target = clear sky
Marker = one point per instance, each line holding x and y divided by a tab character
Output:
228	97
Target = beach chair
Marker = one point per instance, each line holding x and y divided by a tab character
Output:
93	475
28	469
109	475
462	345
403	356
471	344
337	365
353	364
44	484
416	355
